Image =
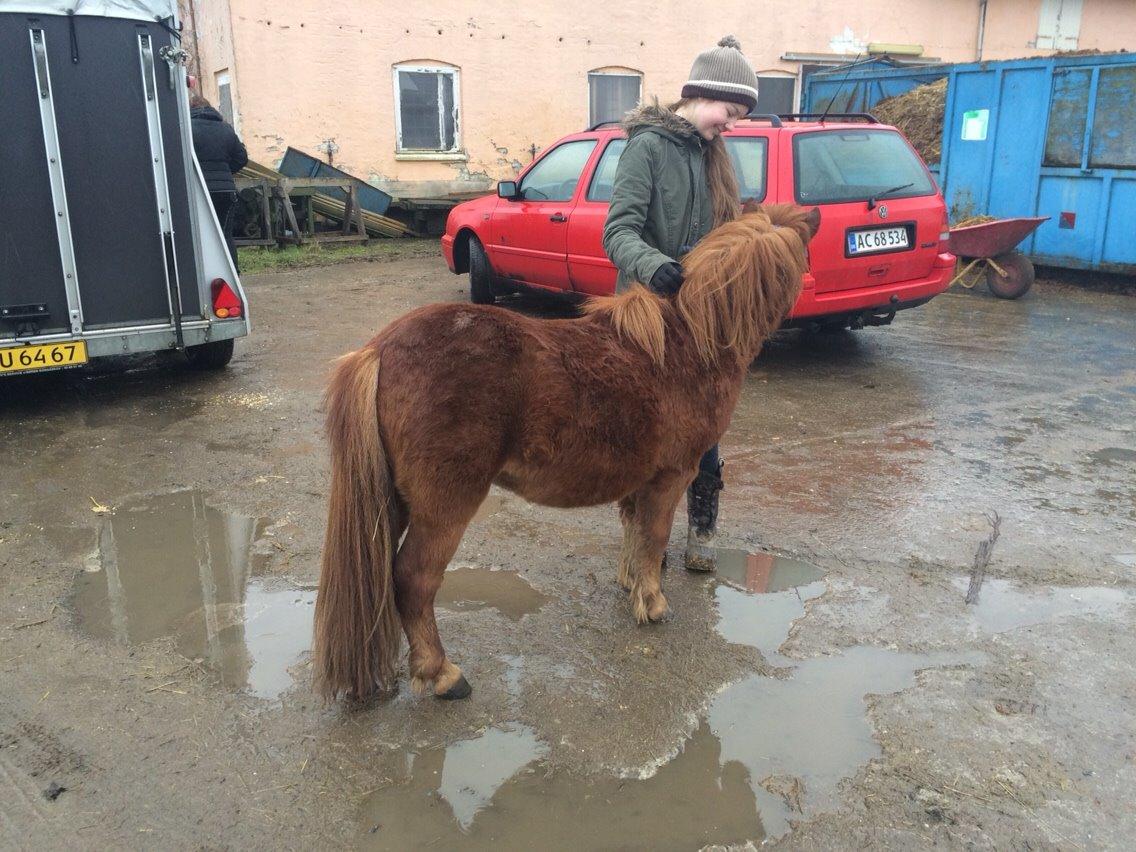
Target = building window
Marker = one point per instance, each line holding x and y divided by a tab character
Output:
225	96
611	94
426	109
1059	24
775	95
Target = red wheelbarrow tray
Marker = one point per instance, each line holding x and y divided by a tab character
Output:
990	239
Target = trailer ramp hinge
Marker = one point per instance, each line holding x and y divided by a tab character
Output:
174	57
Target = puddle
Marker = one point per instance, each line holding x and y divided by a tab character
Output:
1128	560
759	596
1004	606
467	589
173	565
509	802
763	572
766	751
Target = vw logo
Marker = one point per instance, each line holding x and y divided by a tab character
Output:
883	211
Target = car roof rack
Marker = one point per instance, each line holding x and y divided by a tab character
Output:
836	116
775	120
601	124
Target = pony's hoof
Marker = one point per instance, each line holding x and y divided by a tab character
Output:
458	691
659	611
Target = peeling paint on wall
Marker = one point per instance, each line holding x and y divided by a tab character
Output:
847	42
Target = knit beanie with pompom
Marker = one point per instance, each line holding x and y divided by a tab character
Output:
722	73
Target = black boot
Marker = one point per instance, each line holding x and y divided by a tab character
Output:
702	511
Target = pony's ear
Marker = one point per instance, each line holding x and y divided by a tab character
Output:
812	219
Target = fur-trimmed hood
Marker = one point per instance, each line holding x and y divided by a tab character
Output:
666	122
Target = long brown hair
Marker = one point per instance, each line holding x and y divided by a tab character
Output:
719	175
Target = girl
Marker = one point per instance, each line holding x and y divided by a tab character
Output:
673	184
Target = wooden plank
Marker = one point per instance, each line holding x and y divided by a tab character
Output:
373	223
289	214
348	210
339	238
267	230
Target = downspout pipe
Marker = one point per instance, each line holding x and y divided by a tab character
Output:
981	29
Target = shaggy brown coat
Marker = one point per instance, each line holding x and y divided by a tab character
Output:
618	405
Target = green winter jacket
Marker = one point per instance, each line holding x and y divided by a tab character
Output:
660	202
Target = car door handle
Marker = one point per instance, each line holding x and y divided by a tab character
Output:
557	217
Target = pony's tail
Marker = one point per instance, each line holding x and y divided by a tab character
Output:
356	622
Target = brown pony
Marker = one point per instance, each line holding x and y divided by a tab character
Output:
617	405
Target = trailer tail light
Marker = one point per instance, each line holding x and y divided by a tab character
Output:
226	304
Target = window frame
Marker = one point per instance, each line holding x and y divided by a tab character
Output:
1051	35
224	78
788	76
429	153
628	73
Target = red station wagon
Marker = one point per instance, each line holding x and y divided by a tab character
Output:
881	248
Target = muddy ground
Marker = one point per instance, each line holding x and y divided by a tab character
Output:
159	540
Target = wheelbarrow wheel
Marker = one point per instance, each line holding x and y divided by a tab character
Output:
1017	280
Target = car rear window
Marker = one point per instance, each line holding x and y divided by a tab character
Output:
833	166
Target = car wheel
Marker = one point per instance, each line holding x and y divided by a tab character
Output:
1017	280
480	274
214	355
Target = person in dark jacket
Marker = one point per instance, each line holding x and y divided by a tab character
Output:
221	155
673	184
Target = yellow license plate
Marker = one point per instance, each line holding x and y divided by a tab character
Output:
15	359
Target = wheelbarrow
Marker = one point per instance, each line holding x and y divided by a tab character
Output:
989	246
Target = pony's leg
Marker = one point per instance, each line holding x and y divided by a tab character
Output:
419	570
627	561
650	529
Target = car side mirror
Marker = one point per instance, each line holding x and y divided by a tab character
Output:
507	189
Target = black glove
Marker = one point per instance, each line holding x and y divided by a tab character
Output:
667	279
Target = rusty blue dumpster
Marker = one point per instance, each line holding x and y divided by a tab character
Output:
1049	136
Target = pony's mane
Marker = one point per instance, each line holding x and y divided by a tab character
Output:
637	316
740	283
742	280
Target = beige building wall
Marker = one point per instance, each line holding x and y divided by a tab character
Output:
308	73
1012	27
214	57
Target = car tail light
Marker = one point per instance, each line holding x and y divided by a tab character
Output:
944	235
226	304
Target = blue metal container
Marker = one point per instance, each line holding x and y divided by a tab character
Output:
1051	136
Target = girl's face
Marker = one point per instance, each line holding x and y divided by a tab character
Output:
711	118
